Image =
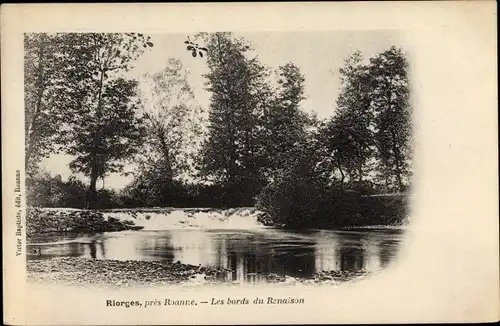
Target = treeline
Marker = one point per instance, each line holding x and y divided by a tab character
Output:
52	191
259	147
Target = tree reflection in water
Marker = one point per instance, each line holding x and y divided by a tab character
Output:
75	249
387	250
93	249
251	256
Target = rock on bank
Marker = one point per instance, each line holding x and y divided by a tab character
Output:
40	221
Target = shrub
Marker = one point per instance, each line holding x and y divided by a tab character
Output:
299	201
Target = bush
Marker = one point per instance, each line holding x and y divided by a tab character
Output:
290	201
47	191
295	200
173	193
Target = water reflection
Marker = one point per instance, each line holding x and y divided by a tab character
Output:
386	251
248	256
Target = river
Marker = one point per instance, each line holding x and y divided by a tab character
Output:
247	253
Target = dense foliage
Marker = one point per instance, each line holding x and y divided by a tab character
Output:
75	79
260	146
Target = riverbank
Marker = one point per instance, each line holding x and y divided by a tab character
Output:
43	221
55	221
82	271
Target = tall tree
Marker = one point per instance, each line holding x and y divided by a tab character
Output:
172	120
351	128
42	90
285	121
230	152
101	126
390	95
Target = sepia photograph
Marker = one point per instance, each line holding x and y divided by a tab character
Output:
215	157
250	163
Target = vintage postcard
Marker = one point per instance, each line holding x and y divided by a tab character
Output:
242	163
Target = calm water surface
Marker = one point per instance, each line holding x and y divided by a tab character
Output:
245	252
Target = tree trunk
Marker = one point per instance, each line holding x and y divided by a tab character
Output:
94	172
360	164
166	154
32	130
395	149
342	176
32	126
92	194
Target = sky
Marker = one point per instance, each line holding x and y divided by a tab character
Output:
319	55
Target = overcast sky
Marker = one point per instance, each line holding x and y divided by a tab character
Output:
319	55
